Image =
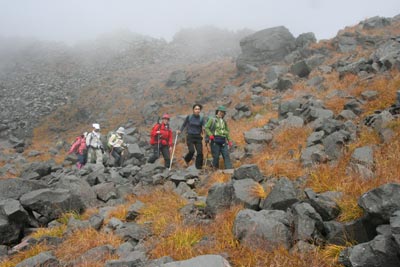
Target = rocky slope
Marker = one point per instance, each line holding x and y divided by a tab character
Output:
276	72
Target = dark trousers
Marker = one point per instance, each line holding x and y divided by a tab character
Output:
216	150
116	152
195	143
164	150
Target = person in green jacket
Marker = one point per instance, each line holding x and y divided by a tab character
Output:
217	130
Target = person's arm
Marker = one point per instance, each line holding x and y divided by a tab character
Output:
88	140
185	122
207	127
170	139
73	147
227	131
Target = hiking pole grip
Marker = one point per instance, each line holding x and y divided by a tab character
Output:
173	151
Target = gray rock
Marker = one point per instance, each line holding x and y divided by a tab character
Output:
308	224
364	156
42	259
324	205
9	232
132	232
266	46
105	191
80	188
51	203
200	261
243	194
16	187
282	196
266	228
257	136
395	226
134	210
220	197
381	251
301	69
369	95
248	171
381	202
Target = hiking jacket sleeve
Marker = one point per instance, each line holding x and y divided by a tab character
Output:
75	146
208	125
186	121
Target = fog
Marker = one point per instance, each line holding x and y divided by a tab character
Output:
72	20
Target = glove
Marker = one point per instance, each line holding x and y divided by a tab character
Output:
211	137
230	143
158	132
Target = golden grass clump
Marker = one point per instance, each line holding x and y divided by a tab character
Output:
83	240
281	157
259	191
161	210
179	244
57	231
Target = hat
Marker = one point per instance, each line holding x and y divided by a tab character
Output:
121	130
165	116
221	108
96	126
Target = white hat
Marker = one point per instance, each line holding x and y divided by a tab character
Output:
96	126
121	130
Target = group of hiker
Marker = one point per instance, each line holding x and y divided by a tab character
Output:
214	131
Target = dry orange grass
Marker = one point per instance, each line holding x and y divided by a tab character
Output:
57	231
338	178
179	244
161	210
223	241
282	158
386	88
83	240
237	128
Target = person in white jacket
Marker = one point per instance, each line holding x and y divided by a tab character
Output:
94	145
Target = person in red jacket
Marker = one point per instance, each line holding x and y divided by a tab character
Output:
80	149
161	140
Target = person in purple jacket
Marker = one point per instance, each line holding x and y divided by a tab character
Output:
194	138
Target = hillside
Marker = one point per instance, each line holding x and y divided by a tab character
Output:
316	136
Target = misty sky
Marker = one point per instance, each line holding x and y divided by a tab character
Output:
71	20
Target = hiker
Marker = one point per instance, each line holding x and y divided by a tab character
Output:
94	145
218	134
117	146
161	140
194	139
79	148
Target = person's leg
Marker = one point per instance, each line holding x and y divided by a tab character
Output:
167	157
81	161
199	150
225	156
215	150
155	155
189	141
90	158
99	156
117	157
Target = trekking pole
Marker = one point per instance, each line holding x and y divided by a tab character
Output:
173	151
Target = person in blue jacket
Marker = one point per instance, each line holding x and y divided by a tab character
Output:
194	138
